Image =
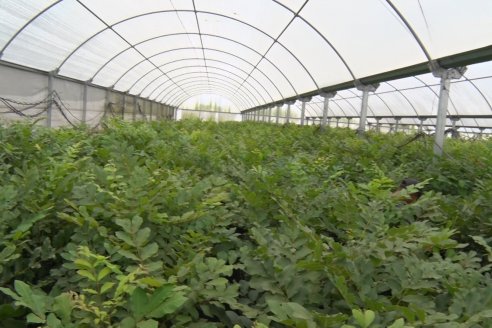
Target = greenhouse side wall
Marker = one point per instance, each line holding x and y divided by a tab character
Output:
25	94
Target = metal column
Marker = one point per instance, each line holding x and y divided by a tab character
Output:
277	117
269	114
326	104
397	124
290	103
454	133
134	114
421	125
378	124
49	110
303	108
365	101
84	104
123	107
445	75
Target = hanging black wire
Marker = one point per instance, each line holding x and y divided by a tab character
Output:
29	105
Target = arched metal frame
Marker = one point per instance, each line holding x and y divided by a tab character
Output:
195	92
111	27
190	48
232	75
207	89
201	89
224	83
203	78
218	68
296	14
213	82
180	60
229	80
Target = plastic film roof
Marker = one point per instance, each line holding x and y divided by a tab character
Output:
255	52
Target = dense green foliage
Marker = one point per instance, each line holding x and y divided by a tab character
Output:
195	224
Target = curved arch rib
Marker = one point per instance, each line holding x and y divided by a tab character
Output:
215	90
201	78
202	82
251	95
224	70
176	99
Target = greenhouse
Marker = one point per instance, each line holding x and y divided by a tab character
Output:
245	163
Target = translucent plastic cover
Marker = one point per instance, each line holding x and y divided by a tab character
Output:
256	52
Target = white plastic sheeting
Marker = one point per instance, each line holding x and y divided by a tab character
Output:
26	94
254	52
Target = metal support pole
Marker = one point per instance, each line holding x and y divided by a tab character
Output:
454	134
106	103
123	107
134	114
175	113
421	125
328	121
84	104
365	102
290	103
269	114
378	124
445	75
348	122
49	110
151	110
303	108
480	134
326	96
397	124
392	127
277	117
338	121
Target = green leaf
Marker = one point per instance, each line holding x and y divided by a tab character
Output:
90	291
53	322
169	306
87	274
103	273
148	324
125	224
400	323
63	306
163	301
152	281
142	237
10	293
128	255
363	319
136	223
106	286
125	237
32	318
83	264
149	250
138	303
36	302
298	311
127	323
